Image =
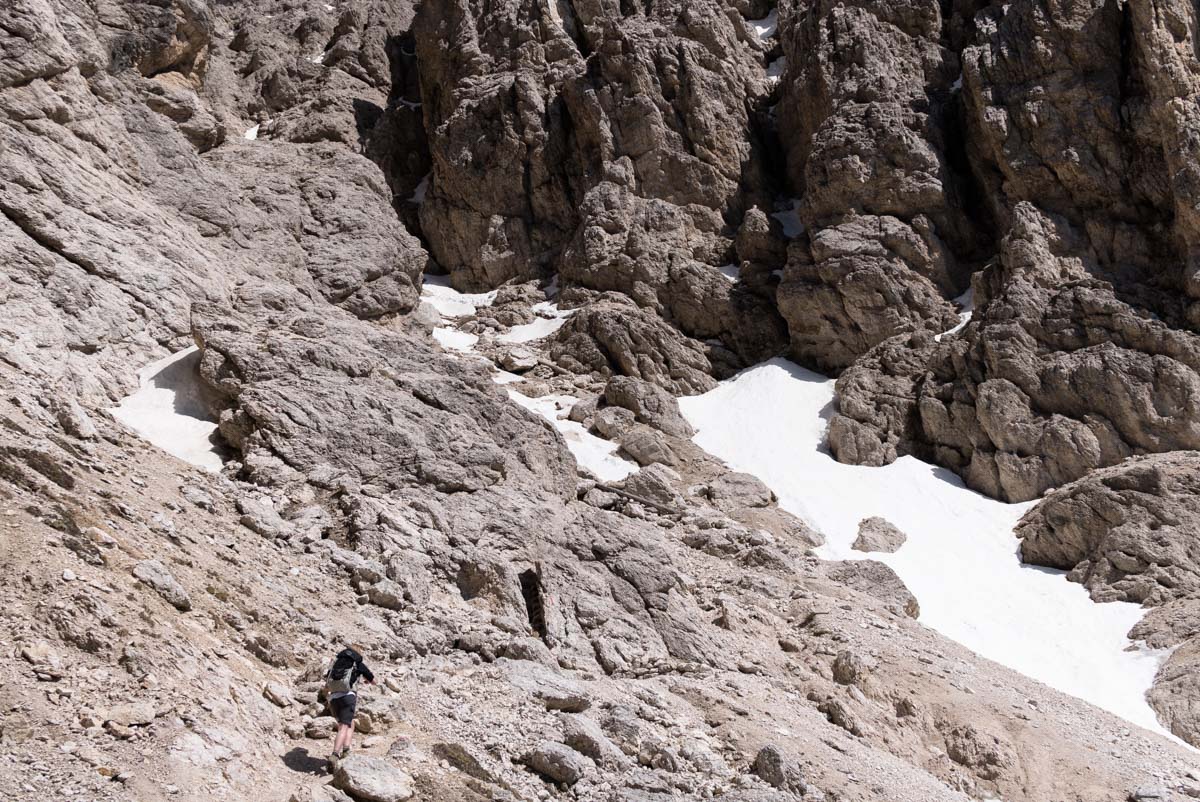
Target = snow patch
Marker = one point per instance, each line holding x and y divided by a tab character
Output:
960	559
454	339
966	305
550	320
730	272
775	69
438	293
418	196
168	410
790	220
251	133
591	452
504	377
763	29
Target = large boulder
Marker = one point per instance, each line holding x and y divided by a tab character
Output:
372	779
649	403
557	762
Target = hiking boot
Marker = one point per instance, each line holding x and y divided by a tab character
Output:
333	759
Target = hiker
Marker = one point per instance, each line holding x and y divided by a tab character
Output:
347	667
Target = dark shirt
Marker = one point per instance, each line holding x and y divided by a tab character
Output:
360	667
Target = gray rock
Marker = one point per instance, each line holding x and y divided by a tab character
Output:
277	694
878	534
650	403
585	736
779	770
259	515
557	763
518	360
155	575
552	690
647	446
373	779
875	579
733	490
656	484
613	422
605	339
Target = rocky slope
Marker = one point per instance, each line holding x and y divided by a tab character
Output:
704	185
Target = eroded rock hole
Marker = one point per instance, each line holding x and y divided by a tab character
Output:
531	591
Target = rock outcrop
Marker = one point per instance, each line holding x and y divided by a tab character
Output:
636	191
1130	533
258	187
1080	351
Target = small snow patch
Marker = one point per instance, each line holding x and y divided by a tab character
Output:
775	69
966	305
763	29
591	452
418	196
449	301
730	272
251	133
168	410
790	220
455	339
539	328
504	377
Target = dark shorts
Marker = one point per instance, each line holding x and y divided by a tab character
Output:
343	708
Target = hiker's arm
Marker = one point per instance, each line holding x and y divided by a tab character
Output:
366	672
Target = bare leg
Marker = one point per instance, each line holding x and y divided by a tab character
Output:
342	740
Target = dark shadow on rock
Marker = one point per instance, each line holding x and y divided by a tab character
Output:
298	759
366	117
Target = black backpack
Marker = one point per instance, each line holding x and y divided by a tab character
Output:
340	676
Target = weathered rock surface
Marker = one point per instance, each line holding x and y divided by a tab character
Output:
557	762
614	188
154	574
1130	533
866	108
373	779
878	534
267	180
1053	377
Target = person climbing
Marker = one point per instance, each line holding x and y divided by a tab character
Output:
340	679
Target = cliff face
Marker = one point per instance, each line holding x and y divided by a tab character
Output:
616	203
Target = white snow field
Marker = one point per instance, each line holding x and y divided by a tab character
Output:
960	559
168	410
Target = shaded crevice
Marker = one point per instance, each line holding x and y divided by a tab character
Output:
573	27
535	609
